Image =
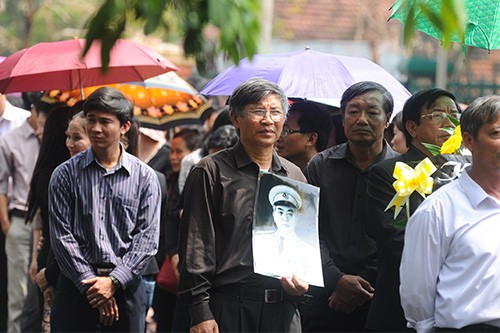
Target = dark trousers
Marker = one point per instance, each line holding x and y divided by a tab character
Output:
31	318
164	307
71	311
3	285
319	317
234	314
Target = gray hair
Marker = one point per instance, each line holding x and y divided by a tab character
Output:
253	91
481	110
80	116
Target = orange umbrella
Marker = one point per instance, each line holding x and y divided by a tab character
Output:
160	102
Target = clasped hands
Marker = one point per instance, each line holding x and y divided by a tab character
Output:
100	296
351	291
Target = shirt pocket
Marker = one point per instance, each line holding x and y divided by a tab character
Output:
126	209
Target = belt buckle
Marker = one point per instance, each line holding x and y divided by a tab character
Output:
103	271
272	296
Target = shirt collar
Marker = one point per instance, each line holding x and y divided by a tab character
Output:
342	152
243	159
472	190
124	161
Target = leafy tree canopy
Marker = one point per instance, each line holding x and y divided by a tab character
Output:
237	21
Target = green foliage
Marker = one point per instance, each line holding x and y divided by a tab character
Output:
237	20
433	149
443	19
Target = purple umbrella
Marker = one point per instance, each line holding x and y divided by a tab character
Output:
308	74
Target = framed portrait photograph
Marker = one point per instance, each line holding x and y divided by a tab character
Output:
285	238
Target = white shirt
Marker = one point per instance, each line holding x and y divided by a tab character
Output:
12	117
450	269
187	164
294	256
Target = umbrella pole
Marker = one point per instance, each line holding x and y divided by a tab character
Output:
442	68
81	86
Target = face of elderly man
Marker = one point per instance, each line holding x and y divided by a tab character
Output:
285	218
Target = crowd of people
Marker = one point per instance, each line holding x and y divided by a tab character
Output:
93	206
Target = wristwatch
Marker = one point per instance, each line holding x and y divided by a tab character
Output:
115	281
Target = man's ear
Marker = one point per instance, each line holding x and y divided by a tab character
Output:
234	119
468	141
125	127
312	138
388	120
411	127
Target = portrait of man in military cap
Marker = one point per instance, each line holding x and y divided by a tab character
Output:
285	239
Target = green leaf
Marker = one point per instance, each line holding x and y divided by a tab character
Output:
448	130
409	27
454	121
433	149
153	12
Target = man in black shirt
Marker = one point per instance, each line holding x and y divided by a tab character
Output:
348	254
217	282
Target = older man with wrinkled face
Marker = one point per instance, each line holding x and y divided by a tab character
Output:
217	282
348	254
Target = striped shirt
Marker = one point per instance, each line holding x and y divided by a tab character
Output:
102	218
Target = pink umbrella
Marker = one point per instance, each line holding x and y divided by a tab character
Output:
59	65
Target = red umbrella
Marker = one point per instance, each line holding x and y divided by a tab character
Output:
59	65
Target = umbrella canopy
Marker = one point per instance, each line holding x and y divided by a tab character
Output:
308	74
483	21
58	65
160	102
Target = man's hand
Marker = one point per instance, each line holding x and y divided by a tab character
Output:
33	269
5	227
175	263
101	290
41	280
207	326
354	290
48	295
294	286
338	305
108	312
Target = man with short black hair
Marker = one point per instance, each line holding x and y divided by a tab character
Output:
305	133
104	207
348	253
425	115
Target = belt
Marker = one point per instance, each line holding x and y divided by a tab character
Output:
18	213
103	271
471	328
263	295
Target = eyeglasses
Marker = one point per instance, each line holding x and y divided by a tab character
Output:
438	117
258	115
287	132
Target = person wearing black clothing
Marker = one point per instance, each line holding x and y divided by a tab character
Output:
386	313
217	282
348	253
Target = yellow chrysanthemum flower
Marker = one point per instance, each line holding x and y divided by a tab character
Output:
453	143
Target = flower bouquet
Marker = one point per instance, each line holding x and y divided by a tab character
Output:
447	164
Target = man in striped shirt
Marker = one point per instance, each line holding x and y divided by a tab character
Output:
104	225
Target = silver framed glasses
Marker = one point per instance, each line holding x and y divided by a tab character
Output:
258	115
438	117
287	132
